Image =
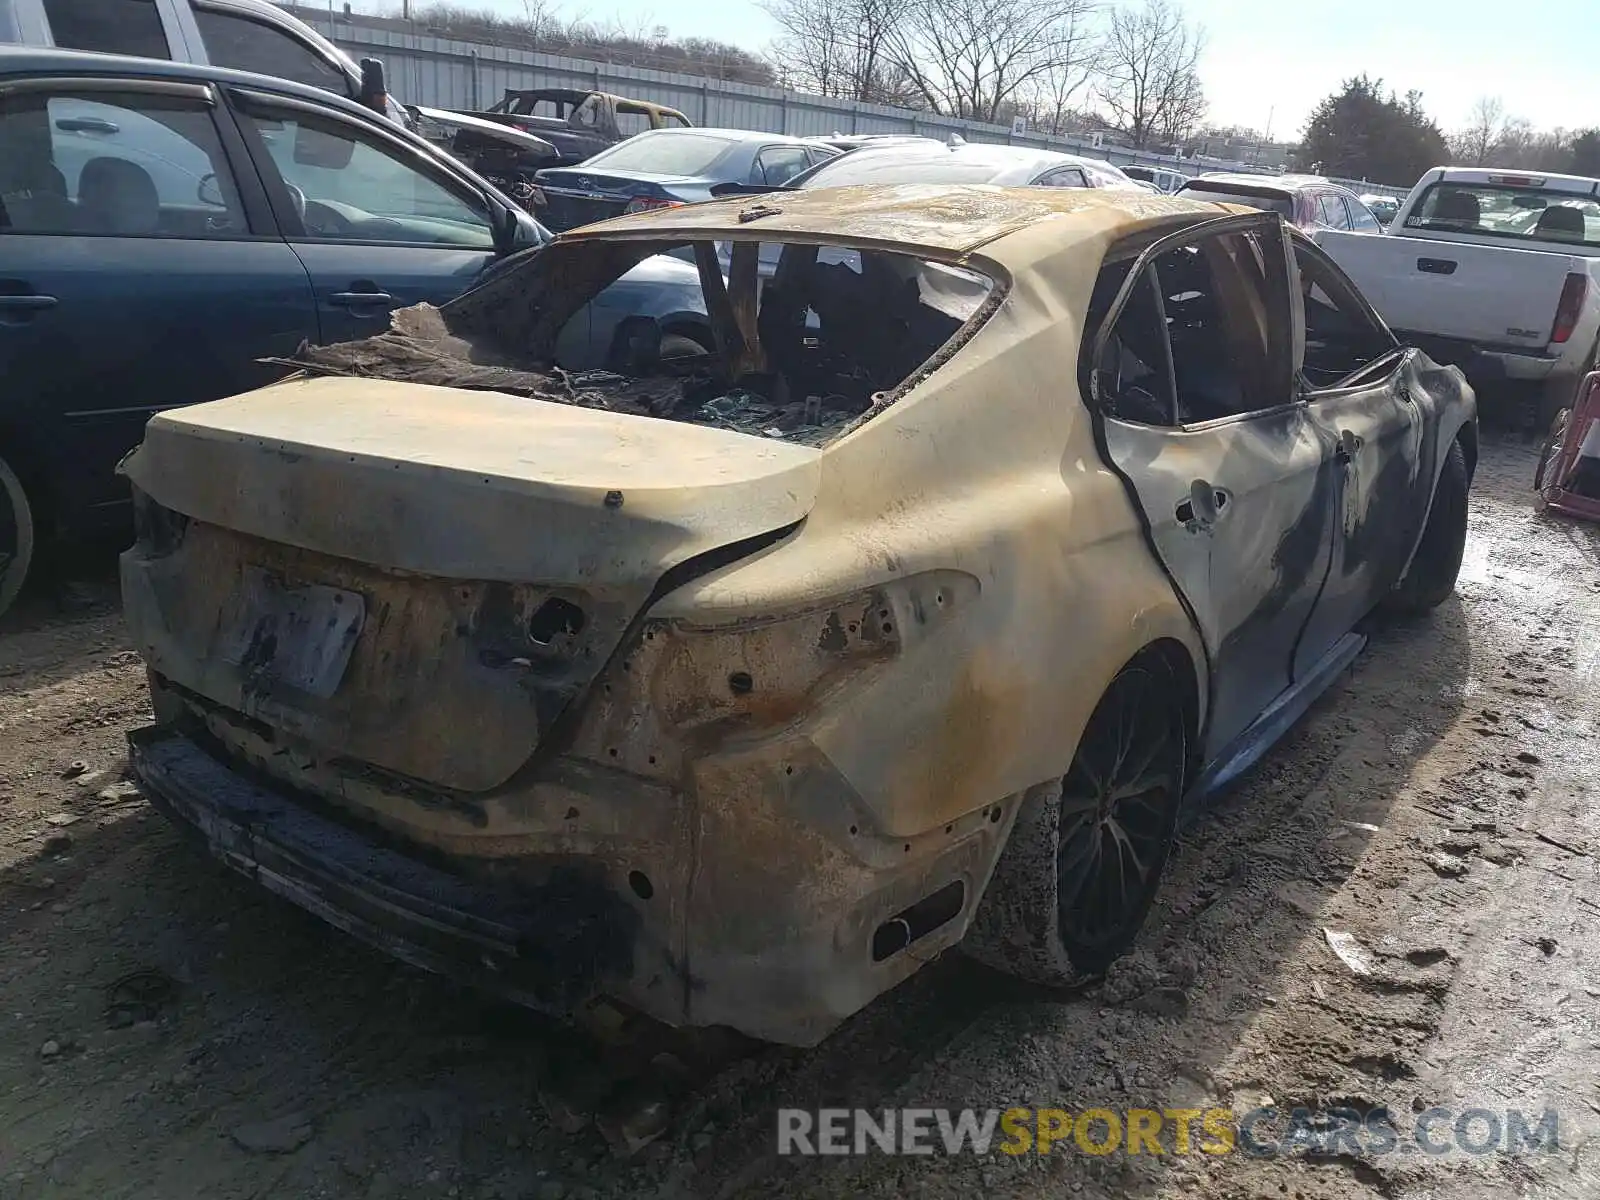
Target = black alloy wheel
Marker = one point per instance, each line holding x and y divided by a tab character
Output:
1119	807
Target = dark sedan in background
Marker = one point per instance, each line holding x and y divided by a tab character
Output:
164	227
661	168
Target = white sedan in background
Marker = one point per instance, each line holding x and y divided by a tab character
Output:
964	162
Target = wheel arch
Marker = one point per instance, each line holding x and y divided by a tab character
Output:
1468	437
1006	931
1177	660
22	453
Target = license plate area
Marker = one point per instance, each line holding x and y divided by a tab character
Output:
299	637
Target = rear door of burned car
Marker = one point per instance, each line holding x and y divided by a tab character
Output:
1191	374
1381	425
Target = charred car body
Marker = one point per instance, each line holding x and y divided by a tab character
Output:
737	694
577	123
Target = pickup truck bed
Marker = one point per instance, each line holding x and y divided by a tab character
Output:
1493	305
1495	271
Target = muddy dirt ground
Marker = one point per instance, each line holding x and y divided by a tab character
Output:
170	1031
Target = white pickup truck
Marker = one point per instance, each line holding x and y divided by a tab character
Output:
1495	271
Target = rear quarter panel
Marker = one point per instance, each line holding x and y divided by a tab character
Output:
988	468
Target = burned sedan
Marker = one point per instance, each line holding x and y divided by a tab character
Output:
732	688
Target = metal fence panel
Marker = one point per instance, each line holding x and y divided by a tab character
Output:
446	73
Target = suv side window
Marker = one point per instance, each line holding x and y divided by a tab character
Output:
110	165
1205	334
108	26
1342	339
244	45
349	184
1332	211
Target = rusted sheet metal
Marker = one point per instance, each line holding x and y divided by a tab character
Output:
952	219
470	485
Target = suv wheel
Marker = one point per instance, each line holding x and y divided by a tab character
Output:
16	535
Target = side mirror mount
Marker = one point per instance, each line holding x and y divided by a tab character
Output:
517	231
374	92
210	192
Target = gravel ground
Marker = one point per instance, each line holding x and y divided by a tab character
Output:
170	1031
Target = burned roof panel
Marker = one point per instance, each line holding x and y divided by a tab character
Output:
944	218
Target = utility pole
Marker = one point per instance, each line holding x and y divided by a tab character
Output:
405	10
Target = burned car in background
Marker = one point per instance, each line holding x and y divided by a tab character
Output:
577	123
504	155
735	691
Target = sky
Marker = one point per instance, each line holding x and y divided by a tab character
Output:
1273	60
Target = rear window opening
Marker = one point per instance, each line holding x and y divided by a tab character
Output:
680	154
1248	197
794	341
1516	213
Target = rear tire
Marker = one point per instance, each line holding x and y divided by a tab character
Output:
16	535
1431	577
1084	860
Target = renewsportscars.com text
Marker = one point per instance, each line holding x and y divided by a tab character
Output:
1259	1132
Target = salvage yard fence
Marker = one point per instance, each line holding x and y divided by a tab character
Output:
440	72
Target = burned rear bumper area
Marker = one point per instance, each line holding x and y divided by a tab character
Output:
547	947
761	928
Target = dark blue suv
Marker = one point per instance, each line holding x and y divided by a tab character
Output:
164	227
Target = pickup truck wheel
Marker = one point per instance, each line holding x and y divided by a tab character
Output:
1431	577
16	535
1086	853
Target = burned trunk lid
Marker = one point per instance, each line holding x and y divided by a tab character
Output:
419	578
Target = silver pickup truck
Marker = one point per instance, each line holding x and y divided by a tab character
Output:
1495	271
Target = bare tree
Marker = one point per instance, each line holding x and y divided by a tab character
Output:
835	47
1052	104
1477	142
1151	84
979	58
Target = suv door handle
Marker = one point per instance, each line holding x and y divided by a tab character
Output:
18	310
360	299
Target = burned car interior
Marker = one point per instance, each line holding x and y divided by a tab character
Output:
833	334
1198	341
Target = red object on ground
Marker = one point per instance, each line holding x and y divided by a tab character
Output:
1558	461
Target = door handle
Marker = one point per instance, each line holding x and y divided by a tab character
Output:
360	299
1204	506
27	303
19	310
